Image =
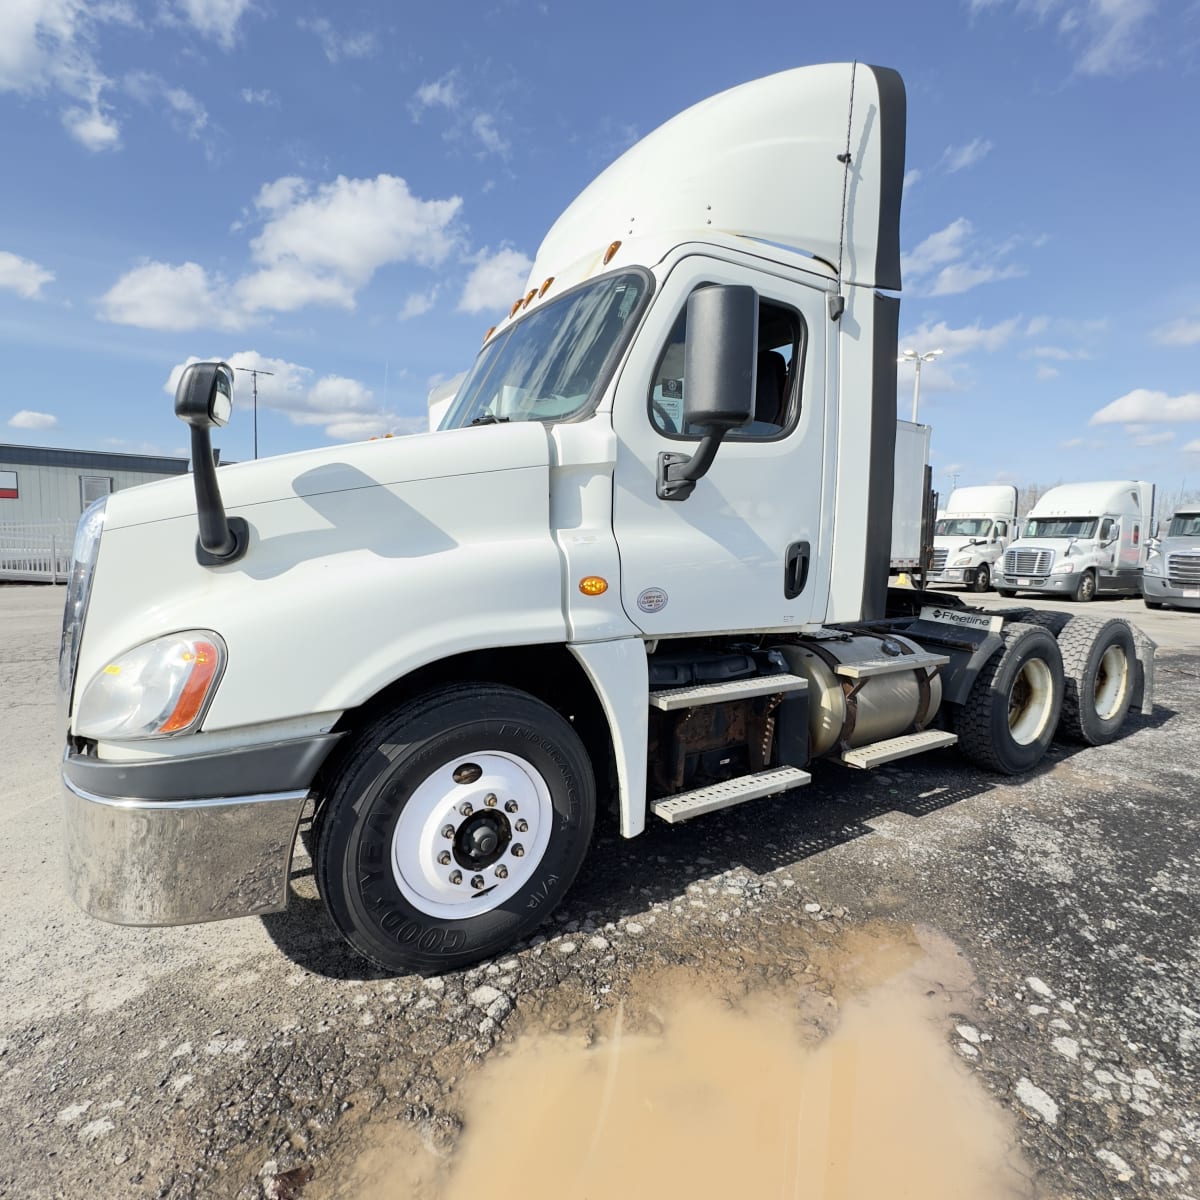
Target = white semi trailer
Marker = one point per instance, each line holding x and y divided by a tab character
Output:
971	534
1081	540
642	565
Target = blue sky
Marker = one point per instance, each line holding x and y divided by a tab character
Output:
350	194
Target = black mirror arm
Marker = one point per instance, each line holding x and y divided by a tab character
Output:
222	539
678	473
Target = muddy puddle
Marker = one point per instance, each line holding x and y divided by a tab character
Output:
837	1081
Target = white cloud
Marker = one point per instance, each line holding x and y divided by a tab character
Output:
965	340
1182	332
1141	437
345	408
1072	443
1192	447
441	93
1058	353
339	45
263	96
1106	35
157	295
941	247
92	128
1046	372
949	262
317	246
962	277
911	177
216	19
22	275
416	304
1037	326
495	281
1144	405
189	116
484	128
26	419
957	158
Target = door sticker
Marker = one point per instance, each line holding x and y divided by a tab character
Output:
652	600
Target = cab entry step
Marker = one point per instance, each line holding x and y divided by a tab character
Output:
890	666
686	805
878	753
669	699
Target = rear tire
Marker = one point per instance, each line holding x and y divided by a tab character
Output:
455	826
1010	715
983	579
1100	671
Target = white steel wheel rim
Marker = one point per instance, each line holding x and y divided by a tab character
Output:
509	789
1030	701
1112	678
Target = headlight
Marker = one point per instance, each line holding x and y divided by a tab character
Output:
963	560
1154	566
154	690
79	591
1062	568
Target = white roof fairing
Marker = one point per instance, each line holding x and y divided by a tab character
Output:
760	161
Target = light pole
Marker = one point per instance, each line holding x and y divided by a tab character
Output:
254	373
917	359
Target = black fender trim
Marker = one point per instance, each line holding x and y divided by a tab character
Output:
242	771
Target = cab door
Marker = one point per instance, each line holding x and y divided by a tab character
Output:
739	553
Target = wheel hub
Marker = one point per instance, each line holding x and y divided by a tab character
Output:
481	840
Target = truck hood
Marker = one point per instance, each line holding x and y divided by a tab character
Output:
383	462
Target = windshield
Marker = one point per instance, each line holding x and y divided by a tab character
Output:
976	527
1185	525
1060	527
547	366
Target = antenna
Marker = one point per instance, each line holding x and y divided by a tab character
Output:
254	373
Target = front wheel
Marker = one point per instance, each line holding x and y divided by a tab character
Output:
1007	593
1085	590
1152	603
983	579
455	827
1008	719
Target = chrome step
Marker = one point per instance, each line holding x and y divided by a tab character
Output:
669	699
889	666
729	792
866	757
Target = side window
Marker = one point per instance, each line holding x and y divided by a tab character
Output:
1137	529
1002	529
781	334
1106	529
92	487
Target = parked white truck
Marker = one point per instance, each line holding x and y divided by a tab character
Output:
971	534
1171	575
643	564
1081	540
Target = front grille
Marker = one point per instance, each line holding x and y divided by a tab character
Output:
939	559
1028	562
1183	570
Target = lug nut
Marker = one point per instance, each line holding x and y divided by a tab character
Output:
465	809
456	877
448	831
517	850
444	858
522	826
490	800
477	882
510	806
501	872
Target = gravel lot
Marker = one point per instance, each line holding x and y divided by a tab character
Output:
258	1058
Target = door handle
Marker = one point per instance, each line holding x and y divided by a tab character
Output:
795	569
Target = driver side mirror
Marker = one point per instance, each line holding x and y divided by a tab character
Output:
204	395
720	358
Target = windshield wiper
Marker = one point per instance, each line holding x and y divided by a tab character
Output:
488	419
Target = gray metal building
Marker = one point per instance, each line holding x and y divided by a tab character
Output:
42	492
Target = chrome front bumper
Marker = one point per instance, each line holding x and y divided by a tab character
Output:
156	862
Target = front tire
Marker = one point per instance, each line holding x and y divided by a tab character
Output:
455	827
1152	603
1009	717
1085	590
983	579
1007	593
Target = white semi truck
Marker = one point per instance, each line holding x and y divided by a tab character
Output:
977	525
1171	576
1081	540
643	567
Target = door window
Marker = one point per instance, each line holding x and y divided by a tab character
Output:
781	337
1106	529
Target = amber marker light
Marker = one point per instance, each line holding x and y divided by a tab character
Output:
529	297
610	252
593	585
512	312
545	287
489	334
203	666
